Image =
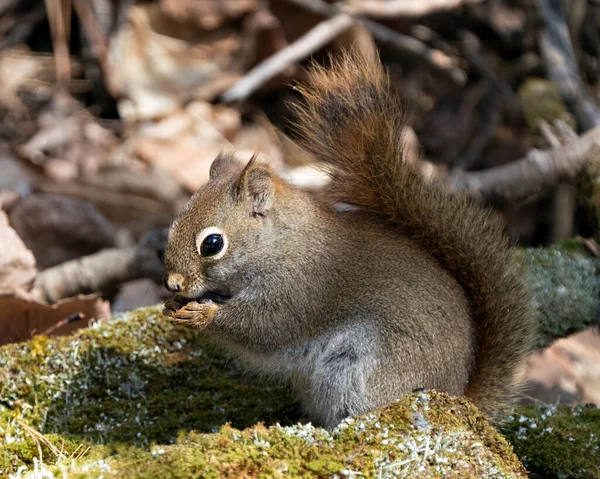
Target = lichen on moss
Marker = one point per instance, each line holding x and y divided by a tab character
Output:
137	397
557	441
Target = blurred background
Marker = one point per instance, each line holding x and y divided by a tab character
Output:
111	112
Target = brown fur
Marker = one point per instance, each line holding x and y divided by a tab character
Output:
351	121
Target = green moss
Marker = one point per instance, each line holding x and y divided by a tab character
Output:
557	441
566	288
571	245
134	380
137	397
541	101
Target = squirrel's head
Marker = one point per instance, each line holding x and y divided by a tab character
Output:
222	227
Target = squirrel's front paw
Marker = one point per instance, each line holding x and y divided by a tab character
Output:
193	314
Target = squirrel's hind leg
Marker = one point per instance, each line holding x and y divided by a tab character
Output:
336	386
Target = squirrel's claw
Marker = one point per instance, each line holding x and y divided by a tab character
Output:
174	304
170	307
193	314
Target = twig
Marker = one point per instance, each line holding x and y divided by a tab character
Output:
59	18
564	202
471	49
312	40
90	273
590	245
69	319
402	8
404	44
559	58
92	29
39	437
15	30
565	194
103	270
431	37
105	198
533	175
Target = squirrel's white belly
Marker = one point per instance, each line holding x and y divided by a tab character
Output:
329	372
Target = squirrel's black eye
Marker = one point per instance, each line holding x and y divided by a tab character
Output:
212	245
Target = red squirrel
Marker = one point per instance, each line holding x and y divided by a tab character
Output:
413	288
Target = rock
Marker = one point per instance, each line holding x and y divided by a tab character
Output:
135	396
60	228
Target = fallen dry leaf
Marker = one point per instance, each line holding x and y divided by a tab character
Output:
69	142
155	63
569	370
21	69
17	263
185	143
20	318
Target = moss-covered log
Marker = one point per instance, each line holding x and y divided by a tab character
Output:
152	400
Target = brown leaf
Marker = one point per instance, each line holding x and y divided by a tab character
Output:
17	264
185	143
69	142
21	317
156	63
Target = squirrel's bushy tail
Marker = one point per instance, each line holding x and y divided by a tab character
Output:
350	120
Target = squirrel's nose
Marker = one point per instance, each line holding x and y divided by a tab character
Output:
173	282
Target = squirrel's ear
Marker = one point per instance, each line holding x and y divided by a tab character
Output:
223	163
256	184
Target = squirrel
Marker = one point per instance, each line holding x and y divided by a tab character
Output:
414	287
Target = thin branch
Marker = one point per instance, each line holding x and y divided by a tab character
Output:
59	19
402	8
105	198
406	45
92	29
533	175
94	273
560	61
316	38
